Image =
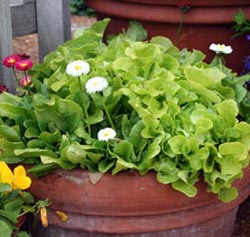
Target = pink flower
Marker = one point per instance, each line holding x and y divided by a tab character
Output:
23	65
3	88
26	81
9	61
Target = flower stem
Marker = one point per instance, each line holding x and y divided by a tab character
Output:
14	72
221	62
179	29
108	116
84	107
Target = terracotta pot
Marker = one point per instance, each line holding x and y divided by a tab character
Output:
21	220
206	22
129	204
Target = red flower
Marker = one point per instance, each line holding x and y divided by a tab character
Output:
23	65
184	6
9	61
3	88
26	81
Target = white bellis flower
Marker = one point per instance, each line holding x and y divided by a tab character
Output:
221	48
96	84
77	68
106	134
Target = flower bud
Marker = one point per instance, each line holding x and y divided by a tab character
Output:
3	88
26	81
184	6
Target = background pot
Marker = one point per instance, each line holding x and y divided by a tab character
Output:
206	22
131	204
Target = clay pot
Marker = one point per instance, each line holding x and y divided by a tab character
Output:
21	220
206	22
129	204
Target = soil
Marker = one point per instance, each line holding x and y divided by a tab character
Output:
29	45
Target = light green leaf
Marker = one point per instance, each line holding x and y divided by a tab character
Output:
184	187
149	155
228	194
176	143
236	149
228	110
163	41
34	152
208	77
122	165
6	229
124	149
62	163
136	31
166	174
203	91
32	132
50	137
105	165
74	153
4	187
9	133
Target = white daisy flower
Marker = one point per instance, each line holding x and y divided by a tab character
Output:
77	68
221	48
96	84
106	134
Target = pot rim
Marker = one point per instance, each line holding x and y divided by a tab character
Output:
194	2
133	9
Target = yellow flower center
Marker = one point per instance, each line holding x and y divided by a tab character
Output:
95	83
23	64
106	134
221	47
78	67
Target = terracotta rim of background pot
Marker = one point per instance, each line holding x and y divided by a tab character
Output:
129	201
194	2
213	14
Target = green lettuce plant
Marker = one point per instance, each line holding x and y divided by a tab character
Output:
168	110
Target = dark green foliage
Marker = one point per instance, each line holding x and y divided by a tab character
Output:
78	7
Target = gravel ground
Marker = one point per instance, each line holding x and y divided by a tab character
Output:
29	45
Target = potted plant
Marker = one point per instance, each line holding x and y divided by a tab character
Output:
204	23
141	137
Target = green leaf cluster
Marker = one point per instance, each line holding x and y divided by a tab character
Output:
173	114
78	7
13	204
241	24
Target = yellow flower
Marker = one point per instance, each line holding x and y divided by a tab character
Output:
18	179
6	174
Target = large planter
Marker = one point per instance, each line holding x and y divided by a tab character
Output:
129	204
206	22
